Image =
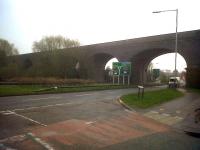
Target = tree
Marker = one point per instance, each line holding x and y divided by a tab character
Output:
7	48
51	43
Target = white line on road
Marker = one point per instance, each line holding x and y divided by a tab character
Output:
37	107
90	122
14	138
43	98
7	113
29	119
129	111
40	141
83	94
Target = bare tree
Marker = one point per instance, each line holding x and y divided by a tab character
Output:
51	43
7	48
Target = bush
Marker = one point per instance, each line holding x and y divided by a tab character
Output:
49	81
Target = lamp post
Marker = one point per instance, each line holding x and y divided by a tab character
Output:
176	41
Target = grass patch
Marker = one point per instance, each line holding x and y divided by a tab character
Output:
7	90
151	98
12	90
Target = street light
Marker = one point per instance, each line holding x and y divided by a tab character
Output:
176	41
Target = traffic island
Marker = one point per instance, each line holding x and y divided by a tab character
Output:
150	98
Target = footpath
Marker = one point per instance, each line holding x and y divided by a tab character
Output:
183	113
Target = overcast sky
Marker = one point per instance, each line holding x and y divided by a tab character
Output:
92	21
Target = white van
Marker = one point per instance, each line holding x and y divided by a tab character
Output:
174	82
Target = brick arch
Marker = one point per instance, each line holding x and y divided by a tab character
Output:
97	63
140	63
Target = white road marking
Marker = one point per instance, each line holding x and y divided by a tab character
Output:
83	94
8	113
90	122
163	117
164	114
153	112
14	138
29	119
37	107
43	143
162	109
129	111
43	98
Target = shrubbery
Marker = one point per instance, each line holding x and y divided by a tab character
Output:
48	81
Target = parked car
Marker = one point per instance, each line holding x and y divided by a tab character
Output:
174	82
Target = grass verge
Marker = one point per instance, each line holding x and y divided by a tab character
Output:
151	98
13	90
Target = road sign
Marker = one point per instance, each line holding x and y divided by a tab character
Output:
121	68
126	68
156	73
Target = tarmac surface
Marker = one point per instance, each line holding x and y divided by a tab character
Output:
93	120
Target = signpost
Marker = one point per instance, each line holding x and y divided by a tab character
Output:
156	73
121	69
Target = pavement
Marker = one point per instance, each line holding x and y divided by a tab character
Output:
92	120
179	113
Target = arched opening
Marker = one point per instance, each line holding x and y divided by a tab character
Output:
97	65
141	61
108	70
161	68
109	63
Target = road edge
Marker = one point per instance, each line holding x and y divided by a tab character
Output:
125	105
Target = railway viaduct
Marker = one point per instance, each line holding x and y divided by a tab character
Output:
139	51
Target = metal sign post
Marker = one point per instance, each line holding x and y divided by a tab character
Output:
128	80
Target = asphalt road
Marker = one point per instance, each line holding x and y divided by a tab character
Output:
25	102
19	114
22	114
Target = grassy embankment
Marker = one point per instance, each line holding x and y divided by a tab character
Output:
11	90
151	98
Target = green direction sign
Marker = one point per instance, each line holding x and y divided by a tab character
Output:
156	73
122	68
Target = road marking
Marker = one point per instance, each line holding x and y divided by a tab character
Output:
167	115
129	111
7	112
163	117
90	122
83	94
45	106
44	98
171	120
162	109
41	142
14	113
14	138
